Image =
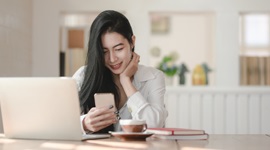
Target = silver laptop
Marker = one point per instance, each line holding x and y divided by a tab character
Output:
41	108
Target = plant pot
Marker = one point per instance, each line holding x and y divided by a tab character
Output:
169	80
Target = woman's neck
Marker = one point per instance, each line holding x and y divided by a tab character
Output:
123	97
116	79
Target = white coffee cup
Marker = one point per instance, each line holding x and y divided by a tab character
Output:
129	125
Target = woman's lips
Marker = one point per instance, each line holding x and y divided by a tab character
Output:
115	67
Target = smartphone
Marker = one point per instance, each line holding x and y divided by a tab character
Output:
104	99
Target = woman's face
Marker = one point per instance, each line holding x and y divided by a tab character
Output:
117	51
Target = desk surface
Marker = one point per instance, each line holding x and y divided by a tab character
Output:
231	142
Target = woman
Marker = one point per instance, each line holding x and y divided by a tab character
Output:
112	67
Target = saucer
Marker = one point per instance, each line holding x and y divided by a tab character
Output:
127	136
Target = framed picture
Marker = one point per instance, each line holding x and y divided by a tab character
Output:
160	24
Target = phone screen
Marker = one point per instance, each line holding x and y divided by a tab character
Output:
104	99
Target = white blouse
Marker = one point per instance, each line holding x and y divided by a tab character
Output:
147	103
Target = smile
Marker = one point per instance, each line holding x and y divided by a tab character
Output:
115	67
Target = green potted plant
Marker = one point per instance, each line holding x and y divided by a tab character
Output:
167	65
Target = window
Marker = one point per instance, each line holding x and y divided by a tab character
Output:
255	49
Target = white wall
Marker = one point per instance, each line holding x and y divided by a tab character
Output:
219	110
190	36
15	37
46	28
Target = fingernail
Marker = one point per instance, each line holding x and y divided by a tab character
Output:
116	112
111	106
118	117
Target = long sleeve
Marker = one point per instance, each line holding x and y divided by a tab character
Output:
148	102
79	76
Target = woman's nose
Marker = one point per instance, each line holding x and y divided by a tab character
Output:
113	58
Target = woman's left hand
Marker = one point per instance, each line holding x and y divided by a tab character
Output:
131	68
128	73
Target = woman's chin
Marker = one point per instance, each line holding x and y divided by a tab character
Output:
116	72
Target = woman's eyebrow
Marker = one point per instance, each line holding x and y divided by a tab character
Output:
118	45
114	45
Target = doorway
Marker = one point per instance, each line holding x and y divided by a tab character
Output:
74	34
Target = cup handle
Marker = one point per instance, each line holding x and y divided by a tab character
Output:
145	127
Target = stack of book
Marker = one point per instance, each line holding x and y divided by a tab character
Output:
178	133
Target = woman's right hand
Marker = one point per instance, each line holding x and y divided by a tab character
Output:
99	118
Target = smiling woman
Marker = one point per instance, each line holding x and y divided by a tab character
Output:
112	66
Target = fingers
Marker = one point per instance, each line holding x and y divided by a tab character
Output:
99	118
131	68
103	118
98	111
102	124
136	58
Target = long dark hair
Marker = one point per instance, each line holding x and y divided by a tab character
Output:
98	78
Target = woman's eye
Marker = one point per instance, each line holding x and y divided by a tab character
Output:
119	49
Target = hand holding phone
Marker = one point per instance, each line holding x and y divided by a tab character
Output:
101	116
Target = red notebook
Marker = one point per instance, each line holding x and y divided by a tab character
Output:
175	131
183	137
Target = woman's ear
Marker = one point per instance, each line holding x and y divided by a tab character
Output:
133	41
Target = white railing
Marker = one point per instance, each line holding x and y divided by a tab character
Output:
242	110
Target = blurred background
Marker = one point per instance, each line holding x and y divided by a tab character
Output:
227	40
215	53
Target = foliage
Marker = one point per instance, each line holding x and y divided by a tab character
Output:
167	65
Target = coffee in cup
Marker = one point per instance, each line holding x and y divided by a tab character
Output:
129	125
